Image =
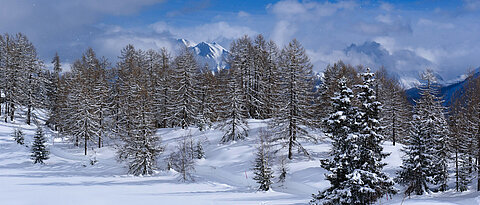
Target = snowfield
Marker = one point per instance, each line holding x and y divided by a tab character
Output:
224	177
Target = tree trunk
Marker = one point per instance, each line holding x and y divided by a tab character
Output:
85	136
456	169
12	112
29	114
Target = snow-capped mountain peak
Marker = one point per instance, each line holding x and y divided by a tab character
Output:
212	54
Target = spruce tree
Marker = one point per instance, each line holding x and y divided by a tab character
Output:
263	161
39	147
374	183
341	128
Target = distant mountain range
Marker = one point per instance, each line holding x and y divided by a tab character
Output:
446	90
215	57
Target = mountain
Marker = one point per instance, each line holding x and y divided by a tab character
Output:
447	90
404	64
211	54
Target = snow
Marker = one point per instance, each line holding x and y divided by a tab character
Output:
223	177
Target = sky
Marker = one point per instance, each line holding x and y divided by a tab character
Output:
404	36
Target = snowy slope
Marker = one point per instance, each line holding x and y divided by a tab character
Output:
224	177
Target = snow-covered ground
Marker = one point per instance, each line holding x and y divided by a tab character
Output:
224	177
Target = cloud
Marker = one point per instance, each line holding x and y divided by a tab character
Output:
471	5
219	31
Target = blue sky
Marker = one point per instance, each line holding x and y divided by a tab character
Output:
404	36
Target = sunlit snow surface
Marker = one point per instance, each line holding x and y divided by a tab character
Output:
224	177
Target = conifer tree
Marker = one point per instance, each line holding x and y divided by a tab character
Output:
396	110
374	183
294	100
199	152
341	128
263	161
233	111
426	151
39	147
186	102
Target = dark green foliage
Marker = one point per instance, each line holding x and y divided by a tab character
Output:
19	136
39	149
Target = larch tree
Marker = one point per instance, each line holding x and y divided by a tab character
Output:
186	102
232	109
294	99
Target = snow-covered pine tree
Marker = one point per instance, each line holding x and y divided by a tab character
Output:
329	87
341	128
233	110
39	147
436	126
19	136
294	99
416	166
426	151
181	160
263	162
186	102
374	183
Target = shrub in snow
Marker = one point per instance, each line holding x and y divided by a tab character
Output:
182	160
19	136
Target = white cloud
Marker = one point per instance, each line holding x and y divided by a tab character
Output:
219	31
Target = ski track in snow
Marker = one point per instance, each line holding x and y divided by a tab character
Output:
224	177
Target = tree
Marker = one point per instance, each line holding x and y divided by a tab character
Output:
373	182
199	152
185	107
426	151
19	136
396	110
263	161
294	99
341	128
39	148
233	111
181	159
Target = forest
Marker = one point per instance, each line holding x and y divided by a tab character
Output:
123	102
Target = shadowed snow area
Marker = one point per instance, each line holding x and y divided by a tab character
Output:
224	177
